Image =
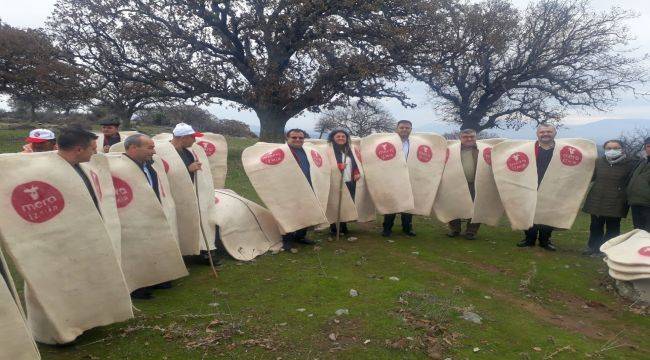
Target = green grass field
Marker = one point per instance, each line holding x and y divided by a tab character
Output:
533	304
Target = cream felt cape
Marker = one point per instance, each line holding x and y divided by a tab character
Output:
123	135
150	252
216	150
454	200
279	182
426	162
629	254
362	200
16	341
56	238
166	199
348	208
247	229
557	200
194	200
98	172
387	174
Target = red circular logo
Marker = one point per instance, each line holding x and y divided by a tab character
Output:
570	156
209	147
36	201
424	153
517	162
447	155
358	153
98	187
487	155
644	251
165	165
273	157
385	151
216	200
318	160
123	192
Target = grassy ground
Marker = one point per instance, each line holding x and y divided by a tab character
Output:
533	304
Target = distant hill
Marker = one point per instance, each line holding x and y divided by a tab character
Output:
598	131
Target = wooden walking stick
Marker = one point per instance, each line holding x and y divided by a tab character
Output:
338	212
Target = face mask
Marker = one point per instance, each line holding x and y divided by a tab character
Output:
613	153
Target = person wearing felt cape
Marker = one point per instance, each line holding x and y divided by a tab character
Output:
339	140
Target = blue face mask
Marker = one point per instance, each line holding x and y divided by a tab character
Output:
613	153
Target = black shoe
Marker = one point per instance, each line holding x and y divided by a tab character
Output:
163	286
286	245
386	233
306	241
142	294
453	233
590	252
409	233
525	243
470	236
548	246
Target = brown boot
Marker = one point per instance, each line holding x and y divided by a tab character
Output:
454	228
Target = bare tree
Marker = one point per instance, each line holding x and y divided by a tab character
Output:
634	142
359	120
499	67
276	57
35	72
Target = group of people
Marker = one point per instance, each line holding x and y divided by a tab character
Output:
619	182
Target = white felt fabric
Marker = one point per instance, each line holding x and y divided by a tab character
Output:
247	229
16	341
426	162
557	201
150	252
57	240
387	174
216	150
276	177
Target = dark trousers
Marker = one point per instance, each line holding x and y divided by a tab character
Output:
544	232
601	229
352	187
641	217
294	236
472	228
407	221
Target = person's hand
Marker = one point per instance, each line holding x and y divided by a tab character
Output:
195	166
356	177
107	148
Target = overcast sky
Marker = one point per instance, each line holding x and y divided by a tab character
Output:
33	13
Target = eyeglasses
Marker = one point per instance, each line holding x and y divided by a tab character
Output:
297	138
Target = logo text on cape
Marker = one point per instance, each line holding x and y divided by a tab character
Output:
385	151
570	156
318	160
517	162
37	201
424	153
123	192
208	147
487	155
273	157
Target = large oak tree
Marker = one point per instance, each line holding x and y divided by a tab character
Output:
498	66
276	57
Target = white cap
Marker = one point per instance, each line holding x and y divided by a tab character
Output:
40	135
183	129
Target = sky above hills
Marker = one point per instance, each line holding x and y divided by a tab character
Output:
33	13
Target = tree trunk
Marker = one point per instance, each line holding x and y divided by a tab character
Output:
32	112
272	126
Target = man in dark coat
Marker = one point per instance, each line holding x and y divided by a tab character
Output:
606	200
76	145
544	148
295	140
404	128
110	128
638	192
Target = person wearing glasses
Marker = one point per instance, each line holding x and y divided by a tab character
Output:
295	140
